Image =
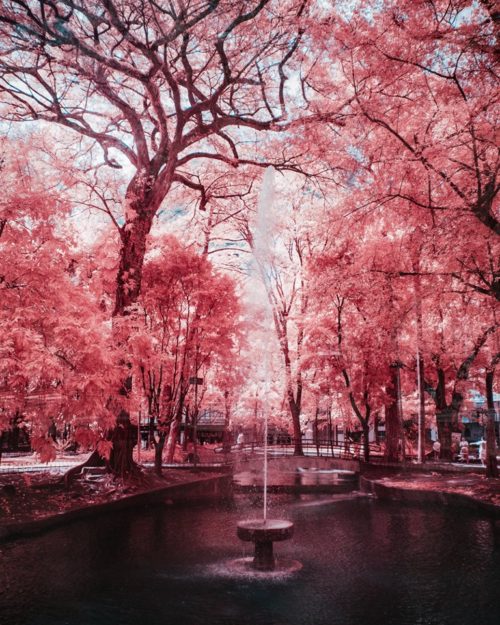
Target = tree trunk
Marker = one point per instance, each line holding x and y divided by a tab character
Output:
491	444
444	416
297	433
421	410
294	398
420	359
173	431
366	441
151	432
172	439
133	249
376	421
444	419
226	442
315	432
124	438
392	417
128	286
447	416
159	445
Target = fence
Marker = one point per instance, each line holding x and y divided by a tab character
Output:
321	448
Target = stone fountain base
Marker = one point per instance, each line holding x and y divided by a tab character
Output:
264	533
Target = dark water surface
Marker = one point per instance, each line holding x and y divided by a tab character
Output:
364	563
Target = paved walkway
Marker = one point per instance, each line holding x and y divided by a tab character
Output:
30	463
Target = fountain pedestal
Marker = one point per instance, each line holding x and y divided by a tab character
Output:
264	534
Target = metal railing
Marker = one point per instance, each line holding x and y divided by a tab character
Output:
321	448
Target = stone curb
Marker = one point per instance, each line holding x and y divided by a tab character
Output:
204	489
411	495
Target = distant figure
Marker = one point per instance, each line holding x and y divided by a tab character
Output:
464	451
482	451
240	440
436	448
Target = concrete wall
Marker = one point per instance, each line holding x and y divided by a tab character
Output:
195	490
243	462
424	497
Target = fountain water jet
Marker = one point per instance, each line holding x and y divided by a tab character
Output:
264	532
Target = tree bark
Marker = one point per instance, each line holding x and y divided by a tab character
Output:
297	433
444	416
124	438
392	416
172	438
420	360
159	445
366	440
226	442
445	419
294	399
364	420
421	410
174	429
128	286
491	456
133	249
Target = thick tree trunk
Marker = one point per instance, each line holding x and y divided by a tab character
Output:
444	416
491	456
297	433
447	415
392	416
133	249
294	399
376	423
175	425
445	420
151	432
124	438
128	286
172	439
159	445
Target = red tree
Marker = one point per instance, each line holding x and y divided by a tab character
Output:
56	364
156	89
187	325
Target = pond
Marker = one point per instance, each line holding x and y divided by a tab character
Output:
301	479
364	562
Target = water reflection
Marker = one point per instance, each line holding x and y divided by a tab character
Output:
301	479
363	562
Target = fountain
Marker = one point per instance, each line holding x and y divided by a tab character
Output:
264	532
